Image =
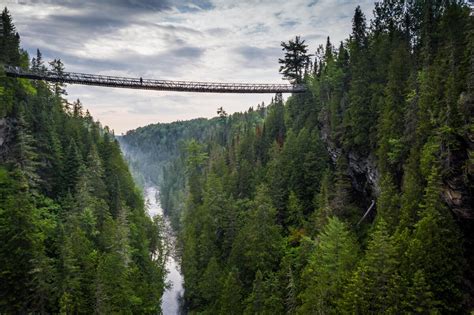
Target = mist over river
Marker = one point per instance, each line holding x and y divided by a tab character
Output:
170	303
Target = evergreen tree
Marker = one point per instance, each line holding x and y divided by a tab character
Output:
37	63
360	115
388	203
435	251
231	297
58	88
9	40
19	245
295	60
323	210
258	246
328	269
373	284
72	166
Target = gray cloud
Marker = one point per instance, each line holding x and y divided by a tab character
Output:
86	22
208	40
108	6
187	52
219	31
112	7
289	23
258	56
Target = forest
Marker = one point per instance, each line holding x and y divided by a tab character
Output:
354	197
74	234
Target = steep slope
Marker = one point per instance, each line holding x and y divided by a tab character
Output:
75	237
269	214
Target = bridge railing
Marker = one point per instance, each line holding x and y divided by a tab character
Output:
152	84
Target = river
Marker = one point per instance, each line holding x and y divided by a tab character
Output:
170	302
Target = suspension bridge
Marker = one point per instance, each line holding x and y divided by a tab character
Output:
150	84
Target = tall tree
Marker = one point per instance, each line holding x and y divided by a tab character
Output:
328	269
295	60
9	40
57	67
374	283
435	250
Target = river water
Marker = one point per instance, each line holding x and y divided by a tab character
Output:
170	302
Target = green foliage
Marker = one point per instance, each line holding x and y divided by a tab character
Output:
435	251
258	246
75	235
373	285
295	61
267	202
9	40
328	269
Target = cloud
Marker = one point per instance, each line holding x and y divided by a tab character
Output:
130	6
289	23
258	56
186	52
201	40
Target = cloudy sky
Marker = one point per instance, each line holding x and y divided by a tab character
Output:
201	40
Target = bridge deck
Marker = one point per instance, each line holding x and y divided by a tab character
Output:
149	84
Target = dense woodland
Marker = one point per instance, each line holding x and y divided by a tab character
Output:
268	205
74	234
152	149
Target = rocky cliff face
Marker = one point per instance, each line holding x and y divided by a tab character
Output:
457	190
458	179
362	170
6	131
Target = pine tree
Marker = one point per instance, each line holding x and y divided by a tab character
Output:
412	192
9	40
391	119
72	166
295	211
295	60
231	296
77	268
420	297
258	246
113	290
323	210
58	88
388	203
329	51
37	63
194	163
372	286
256	300
23	155
328	269
359	31
210	285
435	249
19	242
359	117
77	110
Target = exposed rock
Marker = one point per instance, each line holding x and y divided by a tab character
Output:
362	170
6	127
457	190
365	171
366	177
